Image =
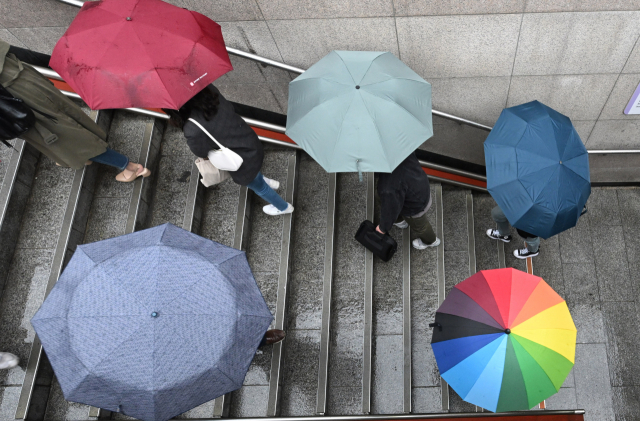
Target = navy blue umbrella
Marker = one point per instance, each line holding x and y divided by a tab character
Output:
153	323
537	169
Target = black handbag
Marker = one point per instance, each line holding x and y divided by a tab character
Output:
16	117
381	245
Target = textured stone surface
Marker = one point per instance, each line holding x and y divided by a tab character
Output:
576	244
621	321
46	205
485	97
456	404
172	186
579	97
426	400
603	207
244	402
612	270
564	399
308	9
456	268
39	39
614	134
454	212
584	129
633	62
619	98
23	294
583	300
7	36
60	409
459	46
387	375
229	10
9	401
17	13
548	265
303	42
271	96
593	390
626	402
424	368
108	218
387	291
486	248
300	381
344	400
580	5
575	43
465	7
251	37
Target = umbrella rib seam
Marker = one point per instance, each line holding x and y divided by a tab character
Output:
540	365
335	144
316	106
400	106
386	156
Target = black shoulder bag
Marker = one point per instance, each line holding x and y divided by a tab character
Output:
381	245
16	117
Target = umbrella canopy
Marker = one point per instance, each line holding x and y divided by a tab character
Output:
537	169
153	323
139	53
359	111
504	340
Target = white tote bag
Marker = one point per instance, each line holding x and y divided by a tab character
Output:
223	158
210	174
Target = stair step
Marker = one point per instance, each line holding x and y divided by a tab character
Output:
17	169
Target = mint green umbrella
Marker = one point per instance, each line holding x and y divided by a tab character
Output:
359	111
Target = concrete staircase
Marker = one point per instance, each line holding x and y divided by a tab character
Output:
357	328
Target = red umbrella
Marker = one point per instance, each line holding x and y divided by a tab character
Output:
139	53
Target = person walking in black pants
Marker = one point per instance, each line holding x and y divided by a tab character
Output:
405	198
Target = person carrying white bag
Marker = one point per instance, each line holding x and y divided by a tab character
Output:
232	149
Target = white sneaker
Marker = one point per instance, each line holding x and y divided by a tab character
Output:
402	225
418	244
274	184
8	360
272	210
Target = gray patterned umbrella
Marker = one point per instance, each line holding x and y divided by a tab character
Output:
153	323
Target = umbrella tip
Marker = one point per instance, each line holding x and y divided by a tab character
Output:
507	331
154	314
128	17
357	86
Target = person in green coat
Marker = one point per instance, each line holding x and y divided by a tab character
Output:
62	132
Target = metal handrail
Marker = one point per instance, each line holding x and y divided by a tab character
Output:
438	416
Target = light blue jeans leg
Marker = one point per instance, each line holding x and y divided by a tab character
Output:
262	189
500	219
533	244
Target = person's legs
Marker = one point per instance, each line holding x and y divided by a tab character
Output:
130	170
112	158
533	244
262	189
501	220
422	228
400	222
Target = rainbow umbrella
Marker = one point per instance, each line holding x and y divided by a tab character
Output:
504	340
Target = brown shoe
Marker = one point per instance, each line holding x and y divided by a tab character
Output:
274	336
